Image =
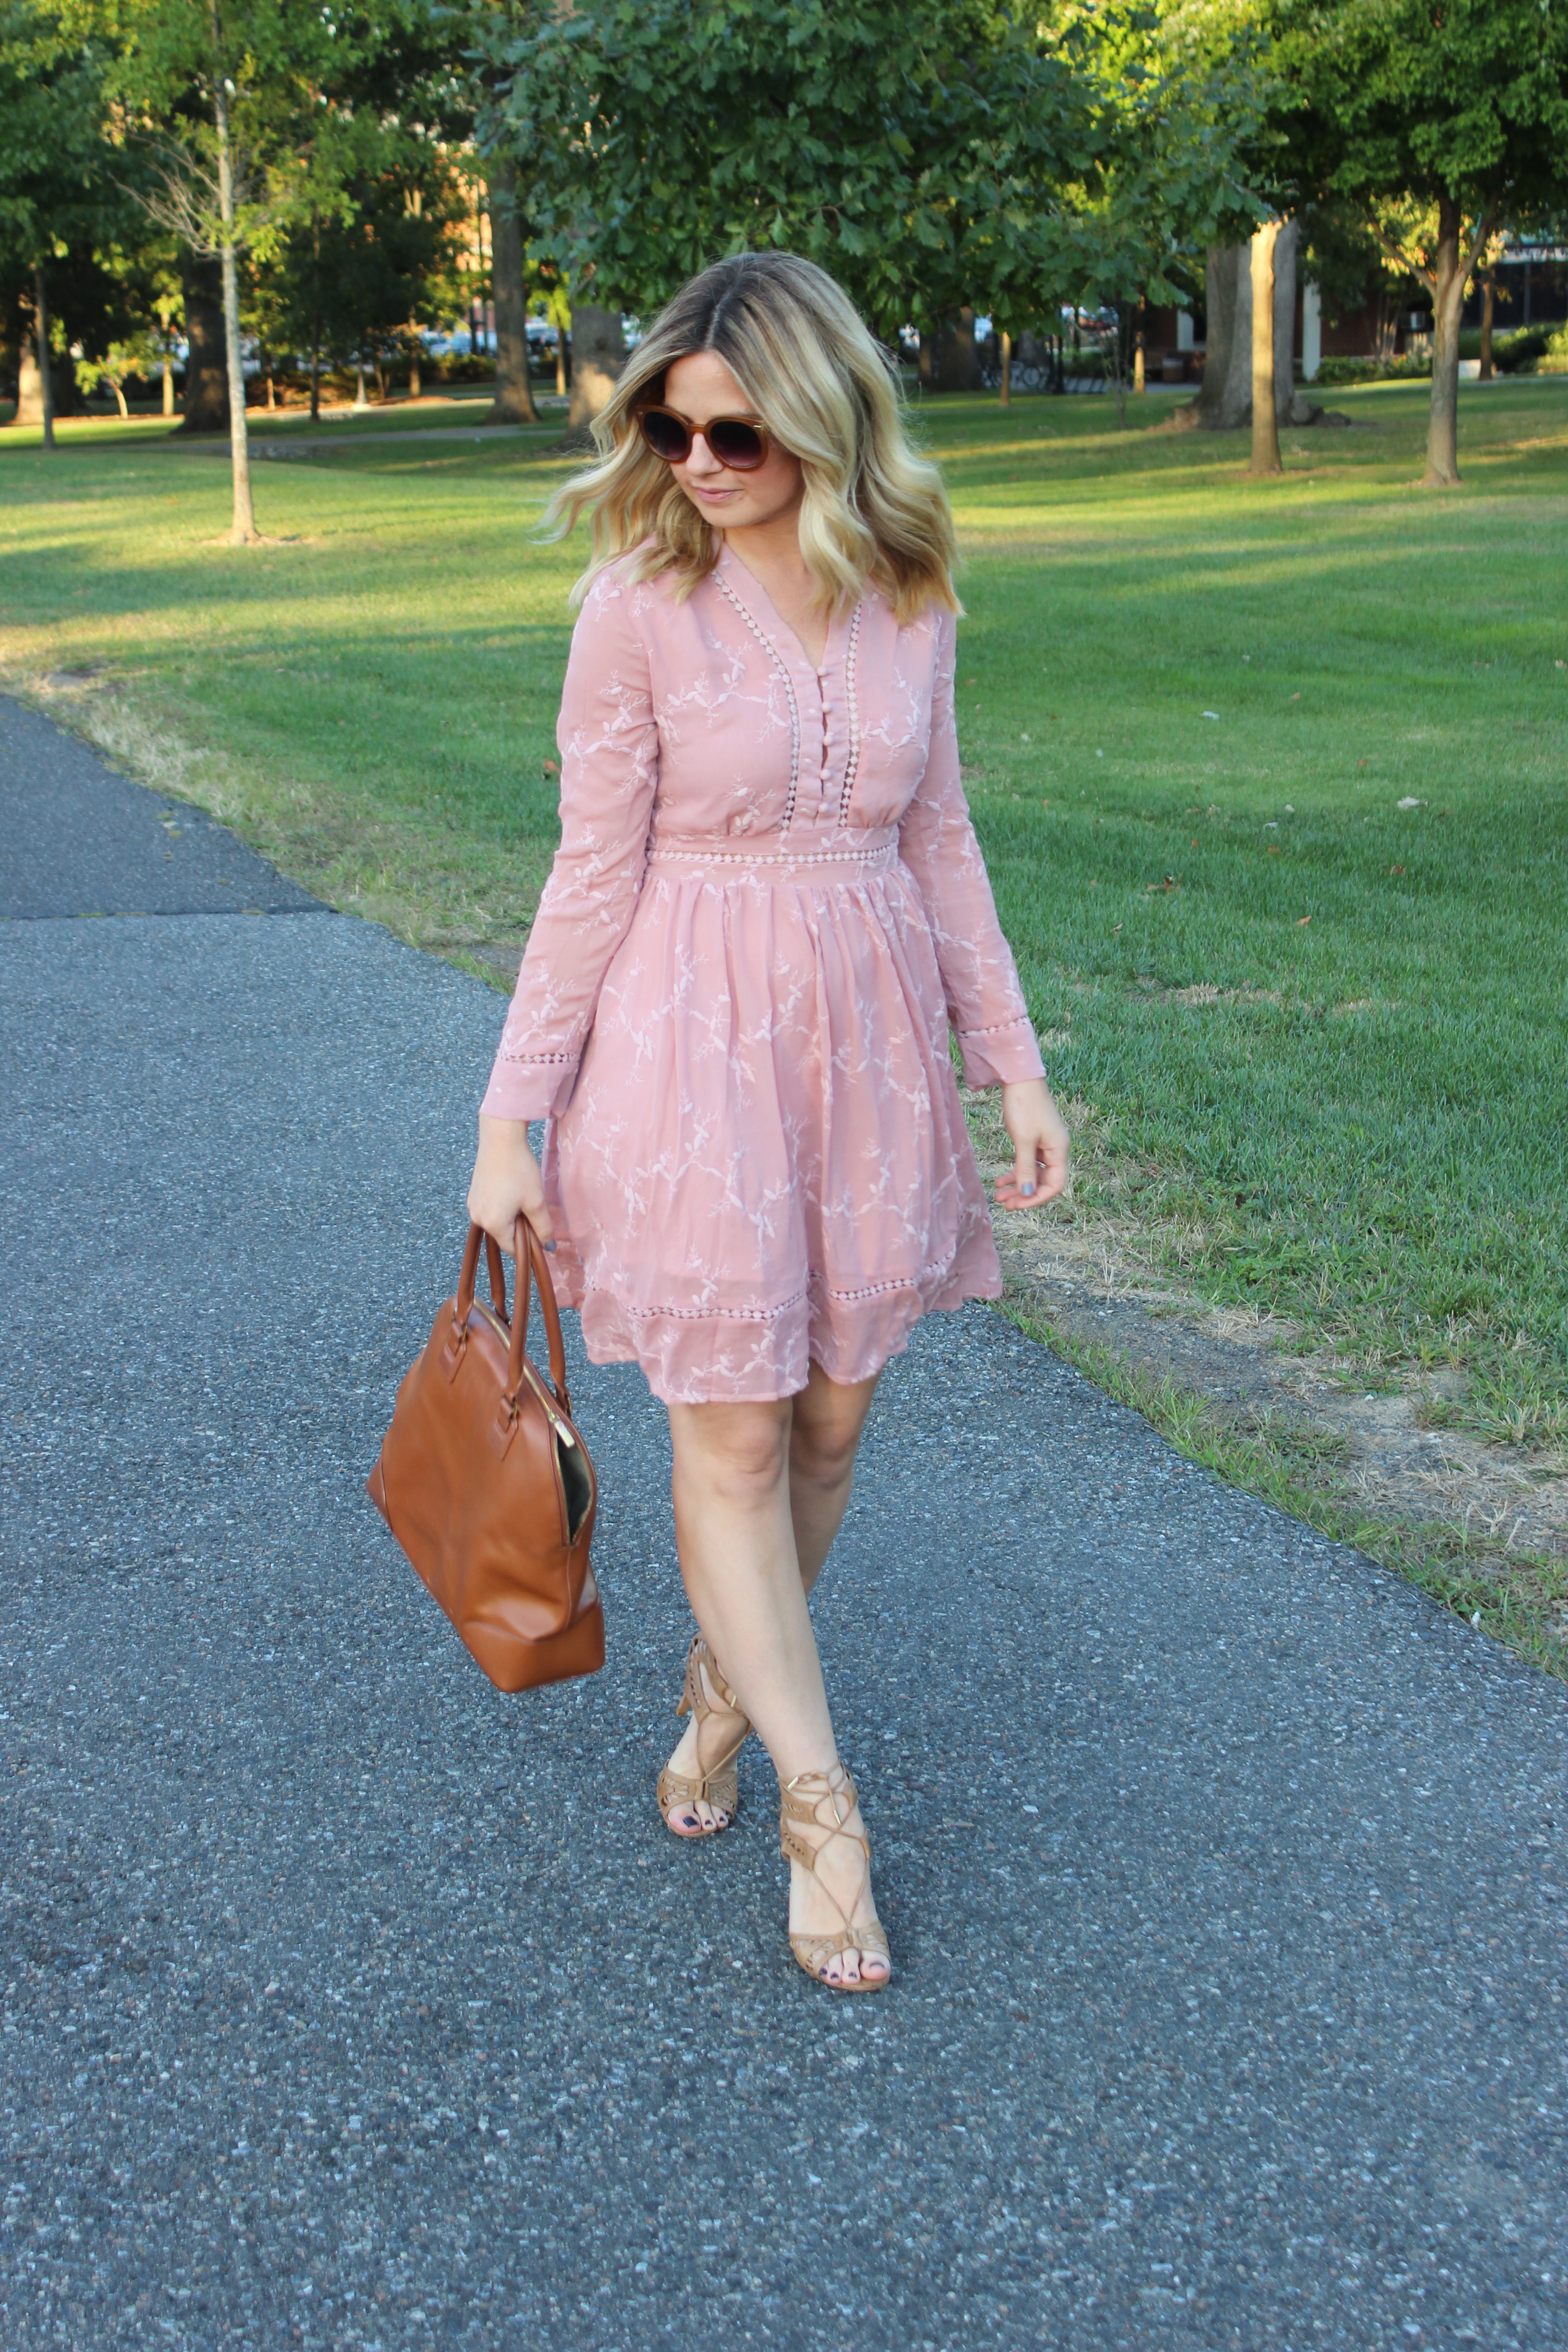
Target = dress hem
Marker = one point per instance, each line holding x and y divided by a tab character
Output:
610	1334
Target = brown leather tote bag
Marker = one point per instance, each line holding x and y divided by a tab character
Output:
486	1483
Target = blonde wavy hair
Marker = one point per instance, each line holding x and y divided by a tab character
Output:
873	512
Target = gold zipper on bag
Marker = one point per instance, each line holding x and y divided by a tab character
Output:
529	1374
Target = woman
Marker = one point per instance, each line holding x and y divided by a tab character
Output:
733	1012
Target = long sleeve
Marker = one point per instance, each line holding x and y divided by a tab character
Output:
936	841
608	740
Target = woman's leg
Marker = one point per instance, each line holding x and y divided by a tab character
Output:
826	1423
828	1419
744	1578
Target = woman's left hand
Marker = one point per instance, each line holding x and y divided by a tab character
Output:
1039	1146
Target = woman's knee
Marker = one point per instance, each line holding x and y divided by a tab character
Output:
740	1452
824	1443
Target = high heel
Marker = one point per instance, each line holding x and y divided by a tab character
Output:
827	1801
720	1784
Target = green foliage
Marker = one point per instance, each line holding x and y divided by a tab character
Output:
364	275
283	67
339	122
63	204
950	152
51	127
1411	369
1396	101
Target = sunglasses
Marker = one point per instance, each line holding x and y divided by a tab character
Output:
734	441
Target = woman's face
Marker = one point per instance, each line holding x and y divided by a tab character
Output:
700	387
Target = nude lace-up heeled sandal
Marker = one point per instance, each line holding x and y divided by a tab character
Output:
825	1801
717	1782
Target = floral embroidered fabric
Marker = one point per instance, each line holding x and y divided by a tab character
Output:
767	908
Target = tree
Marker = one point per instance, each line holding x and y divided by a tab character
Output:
1249	374
514	396
59	200
1182	92
359	281
236	110
1434	122
942	158
905	151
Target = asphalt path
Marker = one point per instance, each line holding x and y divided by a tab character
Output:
348	2004
77	839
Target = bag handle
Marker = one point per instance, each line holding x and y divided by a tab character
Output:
528	1255
468	1277
524	1239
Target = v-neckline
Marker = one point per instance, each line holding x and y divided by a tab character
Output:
837	623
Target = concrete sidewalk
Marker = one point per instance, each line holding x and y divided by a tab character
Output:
348	2004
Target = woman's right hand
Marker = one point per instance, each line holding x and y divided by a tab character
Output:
506	1179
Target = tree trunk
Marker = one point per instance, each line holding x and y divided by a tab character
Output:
414	381
361	398
66	396
168	386
1140	363
1285	247
1220	306
1488	311
560	363
514	399
949	361
598	355
206	382
46	384
964	359
1006	400
1264	423
118	389
29	386
242	532
1447	305
1223	404
1235	407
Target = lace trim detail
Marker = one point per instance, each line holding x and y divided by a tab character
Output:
994	1028
881	852
852	764
931	1274
782	666
505	1056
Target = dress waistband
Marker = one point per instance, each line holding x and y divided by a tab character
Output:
775	857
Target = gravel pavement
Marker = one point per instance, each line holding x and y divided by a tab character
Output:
348	2004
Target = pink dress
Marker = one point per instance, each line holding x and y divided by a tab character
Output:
767	905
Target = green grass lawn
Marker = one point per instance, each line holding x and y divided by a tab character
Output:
1316	1038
